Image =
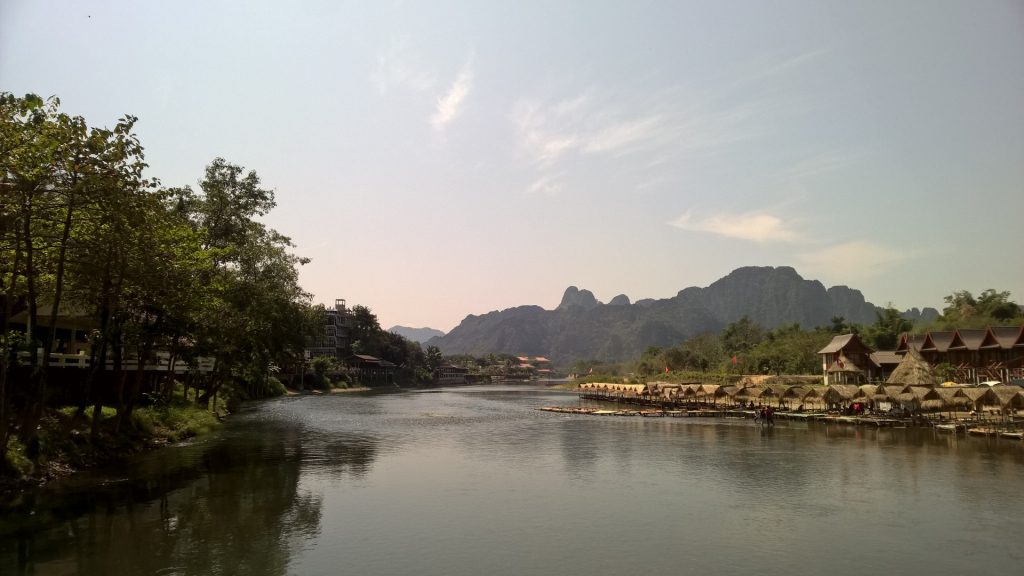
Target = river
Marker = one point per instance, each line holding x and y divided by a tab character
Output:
476	481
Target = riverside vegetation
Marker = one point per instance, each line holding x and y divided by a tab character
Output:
142	268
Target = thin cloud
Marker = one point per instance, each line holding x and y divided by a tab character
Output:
764	72
853	261
621	135
449	106
752	226
546	185
815	165
399	67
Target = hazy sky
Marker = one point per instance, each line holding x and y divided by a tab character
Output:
437	159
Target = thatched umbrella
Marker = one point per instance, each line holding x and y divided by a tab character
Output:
913	370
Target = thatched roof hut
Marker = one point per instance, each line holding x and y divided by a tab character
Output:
688	391
777	389
749	393
980	396
953	397
794	393
708	390
1009	396
913	370
893	389
726	391
836	393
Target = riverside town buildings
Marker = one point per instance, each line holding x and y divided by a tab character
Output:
973	356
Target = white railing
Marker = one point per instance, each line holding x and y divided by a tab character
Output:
161	362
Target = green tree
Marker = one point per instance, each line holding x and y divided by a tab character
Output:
434	358
885	332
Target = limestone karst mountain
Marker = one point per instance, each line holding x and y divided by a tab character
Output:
581	327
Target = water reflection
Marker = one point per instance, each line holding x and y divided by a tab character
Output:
228	506
470	481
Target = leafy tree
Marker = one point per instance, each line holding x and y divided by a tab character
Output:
963	310
885	332
434	358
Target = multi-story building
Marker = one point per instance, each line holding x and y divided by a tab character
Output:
336	339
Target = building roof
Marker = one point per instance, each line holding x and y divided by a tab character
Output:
908	341
1005	337
885	357
970	339
845	342
938	341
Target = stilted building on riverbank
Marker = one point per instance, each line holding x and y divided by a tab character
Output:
994	354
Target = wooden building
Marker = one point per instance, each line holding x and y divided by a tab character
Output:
370	370
995	353
847	360
450	374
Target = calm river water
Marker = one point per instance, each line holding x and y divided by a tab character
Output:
476	481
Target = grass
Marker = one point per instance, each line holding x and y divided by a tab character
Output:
66	443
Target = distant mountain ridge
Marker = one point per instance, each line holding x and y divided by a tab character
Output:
581	327
420	335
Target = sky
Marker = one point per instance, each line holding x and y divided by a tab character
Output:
440	159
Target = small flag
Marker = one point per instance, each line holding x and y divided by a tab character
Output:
734	360
666	370
591	371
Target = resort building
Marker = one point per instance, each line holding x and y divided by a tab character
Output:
336	339
994	354
450	374
847	360
370	370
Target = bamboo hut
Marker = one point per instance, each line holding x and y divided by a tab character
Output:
750	393
869	391
793	393
917	396
953	399
814	394
839	393
689	391
980	397
913	370
707	391
726	392
1009	397
776	390
892	389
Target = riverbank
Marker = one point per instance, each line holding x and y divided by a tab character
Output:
65	443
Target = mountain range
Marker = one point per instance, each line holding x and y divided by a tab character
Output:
582	327
420	335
